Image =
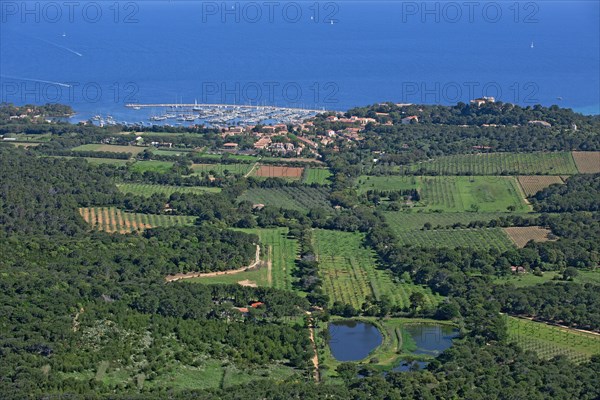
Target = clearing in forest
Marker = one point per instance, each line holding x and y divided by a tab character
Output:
276	246
588	162
111	219
521	235
349	272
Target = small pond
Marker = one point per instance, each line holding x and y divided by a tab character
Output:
353	340
430	339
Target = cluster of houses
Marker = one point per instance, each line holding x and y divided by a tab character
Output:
265	140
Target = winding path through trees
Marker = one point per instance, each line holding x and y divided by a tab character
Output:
190	275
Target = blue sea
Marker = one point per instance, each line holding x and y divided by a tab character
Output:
99	56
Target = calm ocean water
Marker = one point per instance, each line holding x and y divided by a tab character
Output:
98	56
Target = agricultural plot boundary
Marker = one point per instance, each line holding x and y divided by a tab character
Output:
548	163
549	340
111	219
349	272
147	190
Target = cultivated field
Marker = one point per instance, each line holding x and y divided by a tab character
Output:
454	193
110	148
559	163
110	219
293	198
274	171
522	235
532	184
588	162
549	341
366	183
276	248
349	272
480	238
488	194
154	166
316	175
148	189
222	169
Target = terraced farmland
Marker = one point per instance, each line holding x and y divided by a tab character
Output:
293	198
349	272
219	169
481	238
532	184
316	175
559	163
275	246
148	189
111	219
549	341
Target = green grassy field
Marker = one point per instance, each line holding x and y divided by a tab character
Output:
409	221
480	238
110	148
387	182
316	175
274	245
211	374
549	341
219	169
349	272
148	189
559	163
154	166
293	198
111	219
454	193
524	280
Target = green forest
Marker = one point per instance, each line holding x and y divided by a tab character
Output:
93	314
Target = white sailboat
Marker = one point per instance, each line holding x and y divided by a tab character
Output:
531	44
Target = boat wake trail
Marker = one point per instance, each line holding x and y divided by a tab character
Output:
62	47
36	80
